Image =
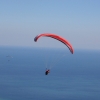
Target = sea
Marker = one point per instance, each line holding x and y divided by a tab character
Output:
72	76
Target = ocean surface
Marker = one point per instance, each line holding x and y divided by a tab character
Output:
72	76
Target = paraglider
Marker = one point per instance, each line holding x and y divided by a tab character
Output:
59	38
64	41
47	72
8	56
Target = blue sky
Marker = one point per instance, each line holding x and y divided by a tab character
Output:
76	20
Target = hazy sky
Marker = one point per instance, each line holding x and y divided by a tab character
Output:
76	20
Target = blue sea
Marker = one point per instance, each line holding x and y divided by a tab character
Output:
72	76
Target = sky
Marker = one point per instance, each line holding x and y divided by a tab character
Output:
78	21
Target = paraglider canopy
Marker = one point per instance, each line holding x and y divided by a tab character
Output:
59	38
